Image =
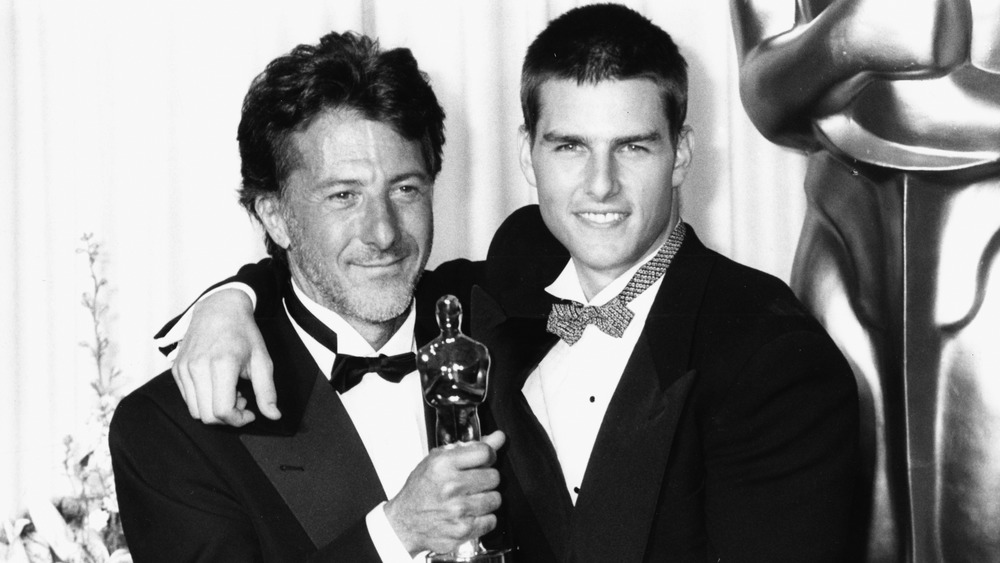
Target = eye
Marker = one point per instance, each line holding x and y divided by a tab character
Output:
567	147
634	148
341	196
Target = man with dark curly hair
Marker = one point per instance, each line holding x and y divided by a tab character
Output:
340	145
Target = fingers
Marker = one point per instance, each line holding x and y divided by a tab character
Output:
262	378
466	519
468	455
461	527
219	389
183	380
221	345
443	524
208	387
495	440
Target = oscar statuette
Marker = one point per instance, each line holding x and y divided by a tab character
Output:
453	369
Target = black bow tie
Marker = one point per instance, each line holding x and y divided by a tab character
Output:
347	370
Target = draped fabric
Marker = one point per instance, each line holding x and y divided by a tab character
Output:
119	118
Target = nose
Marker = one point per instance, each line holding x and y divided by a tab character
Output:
380	225
602	176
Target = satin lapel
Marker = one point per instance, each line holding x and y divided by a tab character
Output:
627	466
322	470
516	346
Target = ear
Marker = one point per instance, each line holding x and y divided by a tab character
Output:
682	155
525	153
268	208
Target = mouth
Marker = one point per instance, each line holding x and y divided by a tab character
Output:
602	219
381	263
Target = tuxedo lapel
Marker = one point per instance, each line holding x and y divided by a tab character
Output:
321	467
620	490
517	345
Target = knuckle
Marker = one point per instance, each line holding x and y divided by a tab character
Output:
221	363
449	489
464	527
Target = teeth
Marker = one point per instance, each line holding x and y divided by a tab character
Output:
603	217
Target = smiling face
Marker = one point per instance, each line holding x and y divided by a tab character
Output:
355	217
606	173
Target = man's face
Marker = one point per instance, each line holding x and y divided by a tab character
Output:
606	173
355	216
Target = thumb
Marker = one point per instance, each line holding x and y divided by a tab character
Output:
495	440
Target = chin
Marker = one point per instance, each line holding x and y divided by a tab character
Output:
383	303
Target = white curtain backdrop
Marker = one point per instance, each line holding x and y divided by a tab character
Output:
119	118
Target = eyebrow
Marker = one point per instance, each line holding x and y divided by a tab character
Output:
650	137
561	138
418	176
348	182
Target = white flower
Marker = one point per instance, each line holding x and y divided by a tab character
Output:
97	520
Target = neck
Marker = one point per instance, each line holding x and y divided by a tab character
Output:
593	283
376	333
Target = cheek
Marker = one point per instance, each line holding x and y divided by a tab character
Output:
333	237
417	221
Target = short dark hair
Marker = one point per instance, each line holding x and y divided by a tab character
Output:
601	42
346	71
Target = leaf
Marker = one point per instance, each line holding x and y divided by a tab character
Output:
51	528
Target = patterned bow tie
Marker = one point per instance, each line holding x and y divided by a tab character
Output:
569	320
349	370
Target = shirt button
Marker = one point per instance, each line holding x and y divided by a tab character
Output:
576	490
592	399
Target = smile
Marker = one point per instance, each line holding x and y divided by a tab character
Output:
608	218
381	264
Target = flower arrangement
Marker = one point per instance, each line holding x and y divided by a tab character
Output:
83	526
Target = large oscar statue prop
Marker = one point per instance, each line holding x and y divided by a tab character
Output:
453	369
898	105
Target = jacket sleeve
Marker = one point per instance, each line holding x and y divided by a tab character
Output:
781	453
263	278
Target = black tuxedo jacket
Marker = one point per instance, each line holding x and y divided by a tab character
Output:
293	490
732	435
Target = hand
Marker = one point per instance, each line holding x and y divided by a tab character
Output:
448	498
221	345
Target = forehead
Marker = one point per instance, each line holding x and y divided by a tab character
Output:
614	104
339	141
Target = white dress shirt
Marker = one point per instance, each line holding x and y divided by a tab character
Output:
570	390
